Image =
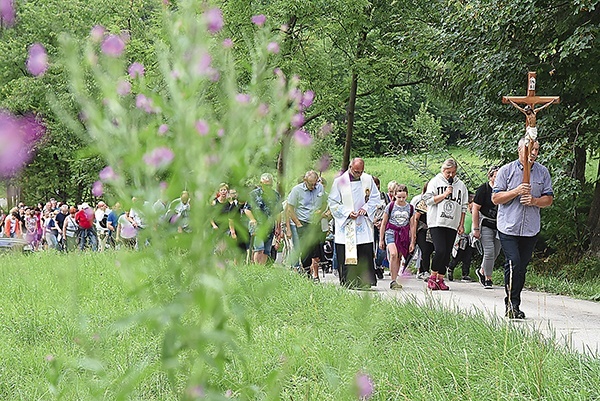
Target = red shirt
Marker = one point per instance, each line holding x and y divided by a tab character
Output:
85	218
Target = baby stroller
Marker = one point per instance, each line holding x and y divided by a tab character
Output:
326	259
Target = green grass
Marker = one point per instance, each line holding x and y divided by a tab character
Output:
97	326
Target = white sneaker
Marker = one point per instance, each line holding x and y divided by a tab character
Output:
423	275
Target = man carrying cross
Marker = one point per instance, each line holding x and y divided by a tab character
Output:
522	188
518	219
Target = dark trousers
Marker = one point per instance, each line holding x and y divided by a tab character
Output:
464	256
359	275
426	248
443	242
517	253
311	242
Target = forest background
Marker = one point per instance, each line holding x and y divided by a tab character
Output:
391	78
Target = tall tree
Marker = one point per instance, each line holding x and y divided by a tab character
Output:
488	47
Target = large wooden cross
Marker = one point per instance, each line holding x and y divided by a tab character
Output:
530	101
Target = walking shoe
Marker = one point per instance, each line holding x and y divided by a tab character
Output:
441	284
423	276
379	273
432	283
514	313
394	285
316	279
450	275
466	279
487	284
481	276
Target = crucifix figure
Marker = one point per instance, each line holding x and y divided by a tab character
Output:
530	111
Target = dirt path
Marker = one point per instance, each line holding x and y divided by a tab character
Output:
571	322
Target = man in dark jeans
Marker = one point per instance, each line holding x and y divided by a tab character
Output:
518	220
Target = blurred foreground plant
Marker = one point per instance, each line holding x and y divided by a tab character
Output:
188	122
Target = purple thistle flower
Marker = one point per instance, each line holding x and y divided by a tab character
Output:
295	95
221	133
364	386
18	137
259	20
136	70
324	162
263	109
243	98
214	20
159	157
37	62
128	230
97	189
307	99
113	46
228	43
196	392
202	127
203	66
123	87
7	13
273	47
163	129
302	138
144	103
97	33
297	120
107	174
327	129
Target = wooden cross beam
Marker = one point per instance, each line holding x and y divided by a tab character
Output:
530	111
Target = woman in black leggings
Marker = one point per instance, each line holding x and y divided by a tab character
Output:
447	198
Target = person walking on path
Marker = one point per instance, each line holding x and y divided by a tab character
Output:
352	201
484	228
519	221
305	207
446	199
463	246
398	235
264	212
87	233
423	236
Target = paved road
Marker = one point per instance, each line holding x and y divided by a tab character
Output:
573	323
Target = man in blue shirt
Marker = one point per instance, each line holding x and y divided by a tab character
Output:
305	206
518	219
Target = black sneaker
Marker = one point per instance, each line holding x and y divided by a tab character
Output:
487	284
450	275
466	279
395	286
481	276
379	273
514	313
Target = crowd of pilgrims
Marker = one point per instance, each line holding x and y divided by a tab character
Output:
63	227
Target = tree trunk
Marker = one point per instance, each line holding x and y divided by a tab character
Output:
579	165
352	103
593	221
285	142
13	193
350	121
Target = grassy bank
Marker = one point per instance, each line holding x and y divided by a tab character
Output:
96	327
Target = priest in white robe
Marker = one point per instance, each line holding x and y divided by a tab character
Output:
352	201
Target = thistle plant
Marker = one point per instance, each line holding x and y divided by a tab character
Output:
196	117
